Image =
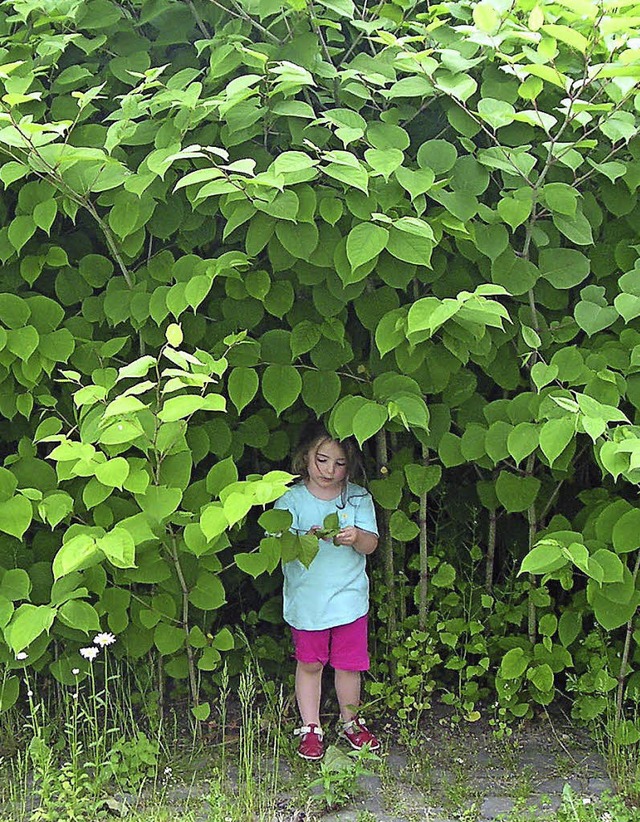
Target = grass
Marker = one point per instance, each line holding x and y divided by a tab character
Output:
86	752
444	772
619	743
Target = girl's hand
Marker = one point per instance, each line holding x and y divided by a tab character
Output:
347	536
364	542
313	529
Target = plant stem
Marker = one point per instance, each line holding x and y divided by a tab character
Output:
161	705
240	14
198	20
382	455
98	739
85	202
622	675
193	680
531	519
491	551
323	43
424	552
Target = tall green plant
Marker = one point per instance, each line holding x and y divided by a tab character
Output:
426	217
125	470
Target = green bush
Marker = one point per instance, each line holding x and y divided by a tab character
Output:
220	221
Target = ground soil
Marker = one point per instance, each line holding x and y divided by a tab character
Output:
473	771
447	770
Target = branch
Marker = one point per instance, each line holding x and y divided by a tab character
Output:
110	239
626	652
83	202
240	14
323	43
199	22
556	490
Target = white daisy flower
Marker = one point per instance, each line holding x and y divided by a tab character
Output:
104	639
89	653
22	655
75	671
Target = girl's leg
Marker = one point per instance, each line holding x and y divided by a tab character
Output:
354	730
308	690
349	656
348	693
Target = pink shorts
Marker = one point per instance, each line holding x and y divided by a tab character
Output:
344	647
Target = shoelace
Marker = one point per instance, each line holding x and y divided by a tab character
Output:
307	729
356	725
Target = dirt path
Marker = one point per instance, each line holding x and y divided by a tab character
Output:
446	772
465	772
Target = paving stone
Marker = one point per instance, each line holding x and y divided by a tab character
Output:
484	774
396	759
545	803
370	784
484	758
495	806
537	759
551	786
592	761
343	816
599	784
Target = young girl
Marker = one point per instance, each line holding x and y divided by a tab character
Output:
326	605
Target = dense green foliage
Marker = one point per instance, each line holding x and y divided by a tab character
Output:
425	220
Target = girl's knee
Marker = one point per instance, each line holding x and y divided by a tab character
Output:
311	667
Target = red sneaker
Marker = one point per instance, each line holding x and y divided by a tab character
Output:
310	746
358	735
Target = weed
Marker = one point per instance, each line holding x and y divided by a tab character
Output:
462	799
337	783
507	746
249	791
419	768
523	811
74	748
391	788
618	740
132	762
605	808
523	785
565	765
70	797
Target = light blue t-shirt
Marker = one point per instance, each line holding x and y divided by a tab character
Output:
334	589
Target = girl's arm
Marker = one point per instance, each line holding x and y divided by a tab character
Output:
362	535
364	542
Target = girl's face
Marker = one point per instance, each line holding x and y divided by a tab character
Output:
327	469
